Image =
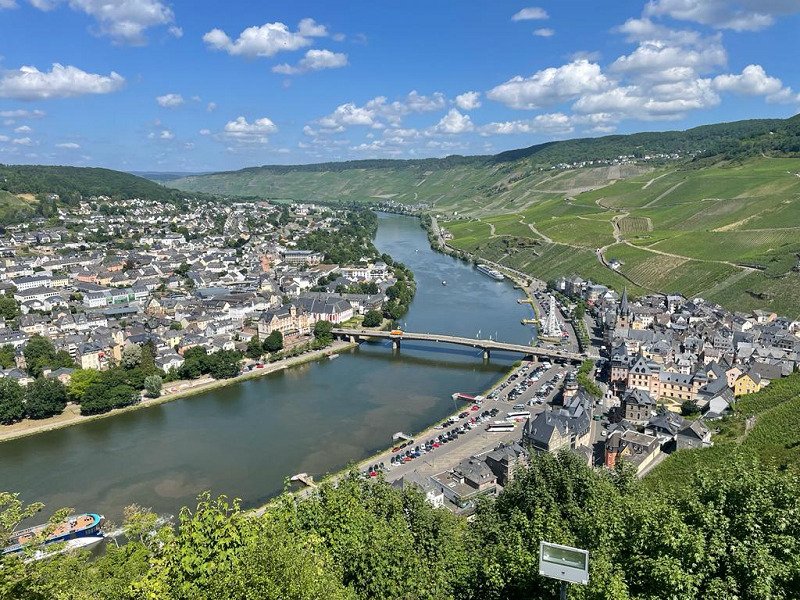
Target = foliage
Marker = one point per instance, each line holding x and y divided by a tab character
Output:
131	356
322	332
689	408
44	398
273	342
222	364
9	308
80	381
254	348
586	381
7	356
40	354
12	401
152	386
352	241
373	318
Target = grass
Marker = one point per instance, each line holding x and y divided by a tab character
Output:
775	438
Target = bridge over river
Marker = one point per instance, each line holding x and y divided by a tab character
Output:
534	352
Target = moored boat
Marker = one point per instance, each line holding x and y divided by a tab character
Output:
493	273
78	526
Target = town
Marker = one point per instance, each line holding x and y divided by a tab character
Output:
669	368
153	297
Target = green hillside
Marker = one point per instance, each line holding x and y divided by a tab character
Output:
75	182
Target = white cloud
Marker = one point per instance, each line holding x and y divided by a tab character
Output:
754	81
377	113
250	133
738	15
170	100
314	60
205	132
454	123
659	60
545	32
69	146
4	138
211	107
175	32
532	13
265	40
24	141
7	4
553	124
28	83
166	134
468	100
551	86
663	101
124	21
21	114
23	129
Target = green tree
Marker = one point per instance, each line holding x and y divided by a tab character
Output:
373	318
322	332
689	408
273	342
8	356
12	401
131	356
44	398
39	353
254	348
79	382
9	308
152	386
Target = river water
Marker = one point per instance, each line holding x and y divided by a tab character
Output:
244	440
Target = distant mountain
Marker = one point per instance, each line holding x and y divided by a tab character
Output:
473	175
163	177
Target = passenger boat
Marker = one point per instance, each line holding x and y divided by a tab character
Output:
78	526
493	273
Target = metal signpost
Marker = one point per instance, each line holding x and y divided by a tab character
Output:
567	564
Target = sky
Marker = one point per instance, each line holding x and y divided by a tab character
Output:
201	85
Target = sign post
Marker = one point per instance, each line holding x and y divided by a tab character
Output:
564	563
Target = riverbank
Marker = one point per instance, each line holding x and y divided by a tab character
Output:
71	415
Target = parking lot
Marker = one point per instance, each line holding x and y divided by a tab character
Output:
527	390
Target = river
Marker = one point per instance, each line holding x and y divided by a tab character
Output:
244	440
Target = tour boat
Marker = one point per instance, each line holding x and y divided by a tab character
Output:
78	526
493	273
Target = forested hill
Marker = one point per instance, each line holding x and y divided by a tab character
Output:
75	182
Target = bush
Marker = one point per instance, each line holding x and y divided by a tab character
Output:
373	318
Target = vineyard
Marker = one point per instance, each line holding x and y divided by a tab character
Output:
633	225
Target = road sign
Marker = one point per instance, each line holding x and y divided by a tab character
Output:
564	563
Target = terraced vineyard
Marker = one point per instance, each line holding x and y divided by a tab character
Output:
729	233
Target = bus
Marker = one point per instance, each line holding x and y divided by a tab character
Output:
500	426
518	415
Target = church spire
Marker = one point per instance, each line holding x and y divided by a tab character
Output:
623	308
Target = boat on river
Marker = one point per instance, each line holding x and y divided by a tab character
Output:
493	273
78	526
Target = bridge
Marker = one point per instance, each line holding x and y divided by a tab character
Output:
534	352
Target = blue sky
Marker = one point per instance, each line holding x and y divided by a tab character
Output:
201	85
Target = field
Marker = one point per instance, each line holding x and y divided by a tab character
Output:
727	233
10	203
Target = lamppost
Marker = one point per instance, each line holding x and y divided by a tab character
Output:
564	563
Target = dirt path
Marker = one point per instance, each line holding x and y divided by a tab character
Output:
704	260
539	233
654	179
724	284
660	196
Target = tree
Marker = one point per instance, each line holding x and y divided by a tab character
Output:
689	408
105	395
274	342
254	348
12	401
131	356
9	308
8	356
175	326
39	353
44	398
79	382
322	332
373	318
152	386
